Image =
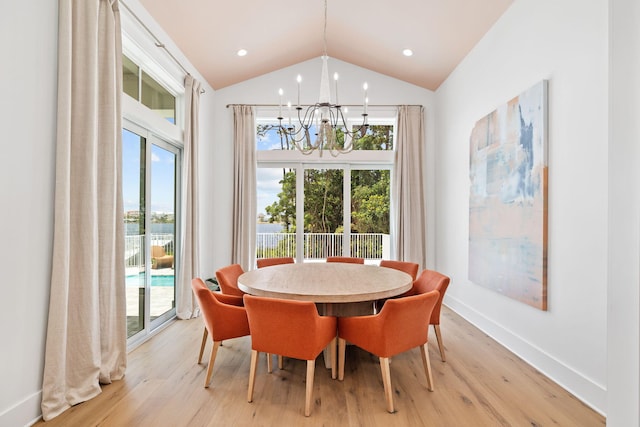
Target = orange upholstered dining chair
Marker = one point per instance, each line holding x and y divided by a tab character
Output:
266	262
411	268
226	299
293	329
402	324
228	279
428	281
222	320
347	259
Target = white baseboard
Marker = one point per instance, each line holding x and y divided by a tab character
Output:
24	413
592	394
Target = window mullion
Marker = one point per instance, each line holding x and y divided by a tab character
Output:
346	205
299	212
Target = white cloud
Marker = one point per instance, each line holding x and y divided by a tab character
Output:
268	187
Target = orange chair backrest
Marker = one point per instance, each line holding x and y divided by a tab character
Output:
287	327
347	259
430	280
223	321
266	262
402	324
411	268
228	279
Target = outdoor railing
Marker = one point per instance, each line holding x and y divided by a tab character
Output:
134	244
372	246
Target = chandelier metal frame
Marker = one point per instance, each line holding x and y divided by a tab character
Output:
332	132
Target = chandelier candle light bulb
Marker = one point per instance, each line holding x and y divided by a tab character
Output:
365	86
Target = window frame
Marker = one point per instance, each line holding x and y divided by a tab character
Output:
353	160
151	326
140	47
377	116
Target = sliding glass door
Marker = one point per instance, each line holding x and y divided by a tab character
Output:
150	183
313	211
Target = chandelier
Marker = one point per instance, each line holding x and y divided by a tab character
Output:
324	120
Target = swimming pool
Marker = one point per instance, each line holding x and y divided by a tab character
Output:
137	280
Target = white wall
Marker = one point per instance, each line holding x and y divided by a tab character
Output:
264	90
623	335
28	40
566	43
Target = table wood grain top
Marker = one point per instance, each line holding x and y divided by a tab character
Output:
325	282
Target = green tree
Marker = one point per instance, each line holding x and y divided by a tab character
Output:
370	201
323	204
374	137
284	209
323	188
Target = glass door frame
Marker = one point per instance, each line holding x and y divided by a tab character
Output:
150	327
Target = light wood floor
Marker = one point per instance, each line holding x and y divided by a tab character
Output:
481	384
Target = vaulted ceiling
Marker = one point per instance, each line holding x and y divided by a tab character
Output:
368	33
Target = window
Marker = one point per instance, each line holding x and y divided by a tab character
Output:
377	137
276	193
151	162
139	85
311	207
150	178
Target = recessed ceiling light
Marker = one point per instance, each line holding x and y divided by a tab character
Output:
242	52
407	52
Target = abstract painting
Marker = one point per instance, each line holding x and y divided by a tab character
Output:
508	199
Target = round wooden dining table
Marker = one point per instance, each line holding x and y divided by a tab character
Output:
339	289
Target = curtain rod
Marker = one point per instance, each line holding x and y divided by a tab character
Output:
158	43
342	105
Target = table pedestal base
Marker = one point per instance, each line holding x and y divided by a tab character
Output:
344	309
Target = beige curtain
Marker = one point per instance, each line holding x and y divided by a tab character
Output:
243	247
408	192
189	248
86	332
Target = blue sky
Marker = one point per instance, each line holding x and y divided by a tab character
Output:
268	187
162	175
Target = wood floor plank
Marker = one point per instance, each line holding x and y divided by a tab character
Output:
481	384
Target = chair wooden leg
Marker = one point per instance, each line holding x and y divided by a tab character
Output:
311	367
334	344
205	334
269	365
386	382
427	365
212	359
280	363
342	344
252	374
440	343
